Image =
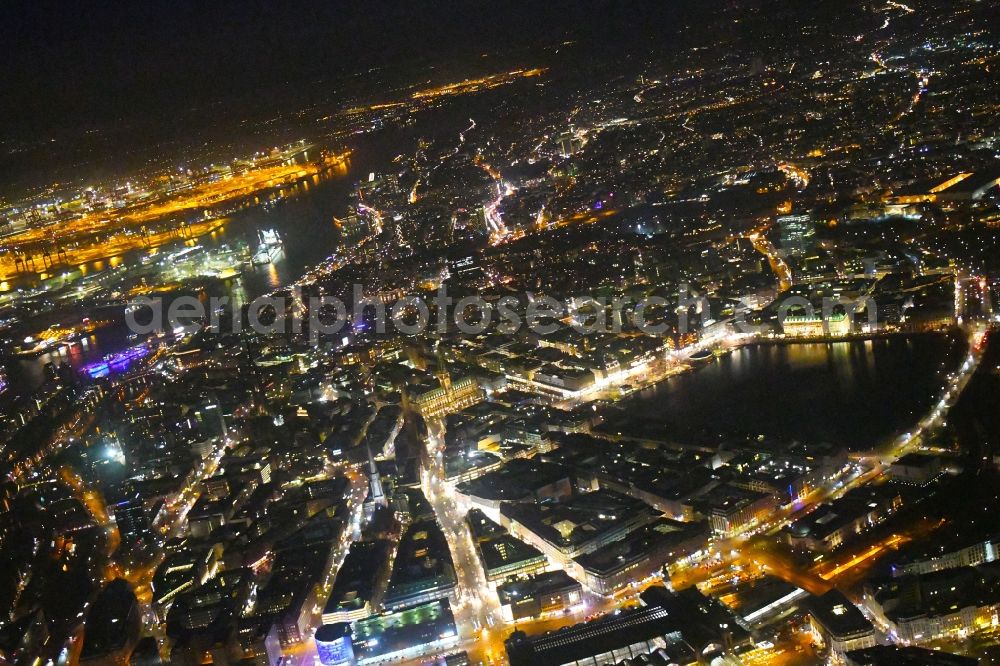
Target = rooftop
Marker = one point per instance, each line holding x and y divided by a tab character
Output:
837	614
893	655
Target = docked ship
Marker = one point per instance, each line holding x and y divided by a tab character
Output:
117	362
268	248
55	337
702	356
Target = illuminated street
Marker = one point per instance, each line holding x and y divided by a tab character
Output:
542	334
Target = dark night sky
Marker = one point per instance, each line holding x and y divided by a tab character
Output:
70	64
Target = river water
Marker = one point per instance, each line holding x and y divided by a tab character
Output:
303	217
855	393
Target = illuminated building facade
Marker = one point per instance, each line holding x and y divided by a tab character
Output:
948	604
446	396
405	633
334	646
537	595
732	510
983	552
836	623
816	326
797	233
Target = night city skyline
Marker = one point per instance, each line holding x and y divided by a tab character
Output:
497	333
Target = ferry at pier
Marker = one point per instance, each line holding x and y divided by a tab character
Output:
702	356
269	247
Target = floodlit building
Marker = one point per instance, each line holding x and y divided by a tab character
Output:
797	233
536	595
355	587
334	645
838	624
816	326
423	569
833	524
405	633
683	628
941	605
894	655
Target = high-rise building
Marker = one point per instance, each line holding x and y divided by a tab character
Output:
112	626
465	269
209	417
570	142
133	522
797	233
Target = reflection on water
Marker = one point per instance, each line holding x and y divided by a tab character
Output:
853	393
26	373
303	219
